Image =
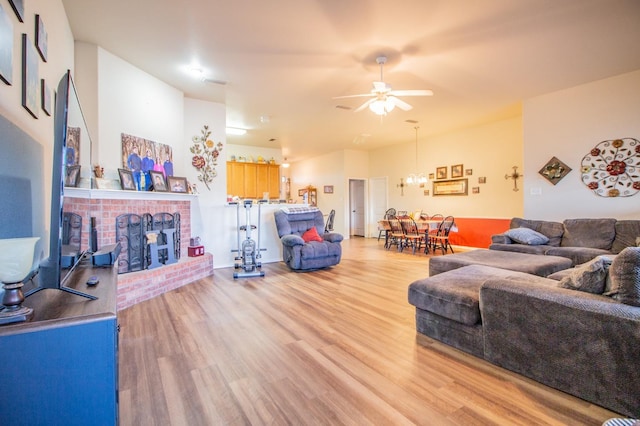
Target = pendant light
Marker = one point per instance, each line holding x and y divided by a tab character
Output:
416	178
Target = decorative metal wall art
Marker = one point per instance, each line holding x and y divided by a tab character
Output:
612	168
554	170
515	176
205	156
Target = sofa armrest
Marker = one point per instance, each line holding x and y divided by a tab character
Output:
580	343
500	239
332	237
292	240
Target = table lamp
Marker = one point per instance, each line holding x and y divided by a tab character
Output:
16	260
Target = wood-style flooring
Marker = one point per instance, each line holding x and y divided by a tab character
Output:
330	347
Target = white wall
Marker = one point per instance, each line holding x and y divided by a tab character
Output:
567	124
489	150
59	60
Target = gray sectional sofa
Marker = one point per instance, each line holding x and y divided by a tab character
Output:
577	330
577	239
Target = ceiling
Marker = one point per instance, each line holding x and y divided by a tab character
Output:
284	60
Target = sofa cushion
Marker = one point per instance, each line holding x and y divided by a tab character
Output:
589	277
520	248
625	277
578	255
592	233
553	230
626	233
527	236
455	294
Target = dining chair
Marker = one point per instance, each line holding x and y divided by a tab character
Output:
412	237
396	237
441	239
385	227
432	231
389	214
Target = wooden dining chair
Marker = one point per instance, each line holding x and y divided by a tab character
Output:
385	227
412	237
396	237
441	239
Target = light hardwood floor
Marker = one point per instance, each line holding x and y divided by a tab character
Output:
336	346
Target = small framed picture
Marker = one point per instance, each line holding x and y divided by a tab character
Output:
301	192
468	172
475	190
177	184
46	96
328	189
126	180
72	176
30	79
456	171
482	179
157	179
41	38
431	176
441	172
426	192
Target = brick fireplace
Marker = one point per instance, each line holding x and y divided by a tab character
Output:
135	287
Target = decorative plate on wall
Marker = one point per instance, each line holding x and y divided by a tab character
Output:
612	168
554	170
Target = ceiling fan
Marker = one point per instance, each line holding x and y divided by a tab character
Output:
383	98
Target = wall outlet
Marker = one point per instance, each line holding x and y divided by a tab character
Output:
535	191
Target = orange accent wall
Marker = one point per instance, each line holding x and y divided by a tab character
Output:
475	232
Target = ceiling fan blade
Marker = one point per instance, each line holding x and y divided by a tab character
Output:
411	93
353	96
363	106
400	103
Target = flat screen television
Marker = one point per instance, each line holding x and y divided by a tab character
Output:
51	274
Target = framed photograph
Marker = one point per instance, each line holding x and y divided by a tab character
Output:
41	38
456	171
301	192
72	178
431	176
475	190
159	184
6	47
468	172
126	180
426	192
441	172
328	189
46	97
30	79
177	184
18	8
482	179
450	187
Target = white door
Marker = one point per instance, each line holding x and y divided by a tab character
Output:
378	203
356	207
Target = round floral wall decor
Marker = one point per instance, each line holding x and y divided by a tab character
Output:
205	156
612	168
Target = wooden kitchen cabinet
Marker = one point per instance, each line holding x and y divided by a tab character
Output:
252	180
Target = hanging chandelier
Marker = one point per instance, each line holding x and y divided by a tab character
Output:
416	178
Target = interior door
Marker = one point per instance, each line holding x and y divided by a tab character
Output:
356	207
377	202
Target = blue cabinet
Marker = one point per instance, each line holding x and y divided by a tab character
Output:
62	367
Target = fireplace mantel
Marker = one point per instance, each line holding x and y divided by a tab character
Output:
114	194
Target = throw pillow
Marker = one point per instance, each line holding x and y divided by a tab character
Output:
527	236
589	277
625	277
311	235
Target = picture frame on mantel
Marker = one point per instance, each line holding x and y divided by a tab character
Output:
177	184
158	181
126	180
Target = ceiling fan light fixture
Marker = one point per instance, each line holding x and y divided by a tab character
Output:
382	106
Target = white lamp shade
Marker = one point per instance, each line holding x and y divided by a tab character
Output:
16	258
